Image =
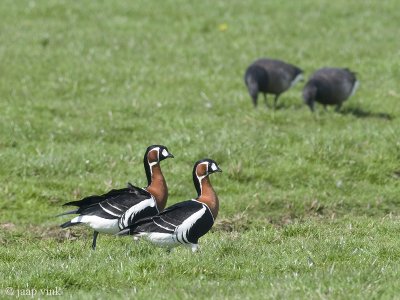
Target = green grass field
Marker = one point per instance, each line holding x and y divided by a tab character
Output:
309	204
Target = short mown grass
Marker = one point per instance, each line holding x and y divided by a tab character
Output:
309	203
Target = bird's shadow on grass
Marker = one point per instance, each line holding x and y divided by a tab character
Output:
354	111
285	106
360	113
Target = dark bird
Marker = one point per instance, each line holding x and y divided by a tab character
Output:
117	209
330	86
270	76
185	222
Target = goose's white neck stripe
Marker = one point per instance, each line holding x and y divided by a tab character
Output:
200	178
152	164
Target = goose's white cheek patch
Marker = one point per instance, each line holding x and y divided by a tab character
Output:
165	153
214	167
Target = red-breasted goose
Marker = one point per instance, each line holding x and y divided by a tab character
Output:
330	86
117	209
185	222
270	76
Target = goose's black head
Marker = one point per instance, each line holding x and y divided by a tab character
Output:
202	169
256	80
309	94
153	155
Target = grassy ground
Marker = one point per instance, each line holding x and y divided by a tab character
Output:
309	204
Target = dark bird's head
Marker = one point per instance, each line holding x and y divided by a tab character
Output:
153	155
156	153
256	80
310	94
202	169
205	167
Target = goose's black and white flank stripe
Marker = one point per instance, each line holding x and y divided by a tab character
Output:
185	222
330	86
270	76
117	209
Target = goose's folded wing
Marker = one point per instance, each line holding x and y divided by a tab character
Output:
112	204
188	220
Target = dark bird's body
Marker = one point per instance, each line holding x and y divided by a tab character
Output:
270	76
330	86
